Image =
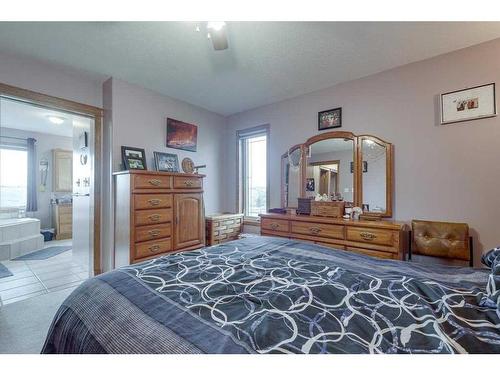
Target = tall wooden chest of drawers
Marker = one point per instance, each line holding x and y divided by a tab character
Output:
157	213
223	227
63	220
382	239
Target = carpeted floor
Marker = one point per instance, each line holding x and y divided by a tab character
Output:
24	324
46	253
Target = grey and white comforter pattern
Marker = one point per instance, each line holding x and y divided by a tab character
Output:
270	295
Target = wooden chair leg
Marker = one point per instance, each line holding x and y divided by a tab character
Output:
409	245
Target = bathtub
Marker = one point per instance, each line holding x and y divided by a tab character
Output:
19	237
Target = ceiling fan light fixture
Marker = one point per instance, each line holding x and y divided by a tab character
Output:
217	33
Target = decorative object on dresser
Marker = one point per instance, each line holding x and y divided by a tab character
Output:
134	158
327	158
62	175
181	135
156	213
63	220
383	239
445	240
304	207
468	104
187	165
331	118
223	227
328	209
166	162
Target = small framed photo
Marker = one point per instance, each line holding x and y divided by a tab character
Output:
468	104
329	119
310	184
365	167
166	162
134	158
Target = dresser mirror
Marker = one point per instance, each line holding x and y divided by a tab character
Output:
376	175
291	177
328	170
342	166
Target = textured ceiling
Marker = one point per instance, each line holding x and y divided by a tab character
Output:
266	61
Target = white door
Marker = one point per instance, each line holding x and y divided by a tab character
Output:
82	191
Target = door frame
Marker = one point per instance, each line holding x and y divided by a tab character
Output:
73	107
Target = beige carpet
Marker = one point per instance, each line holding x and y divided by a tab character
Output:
24	324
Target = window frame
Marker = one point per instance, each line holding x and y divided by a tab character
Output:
241	161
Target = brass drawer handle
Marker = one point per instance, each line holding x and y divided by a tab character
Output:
188	183
154	202
154	217
367	236
315	230
154	248
154	233
274	225
155	182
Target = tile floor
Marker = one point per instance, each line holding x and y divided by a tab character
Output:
35	277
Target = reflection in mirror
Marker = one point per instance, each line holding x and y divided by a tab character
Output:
329	170
374	176
291	178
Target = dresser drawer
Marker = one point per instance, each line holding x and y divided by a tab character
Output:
152	232
274	224
181	182
146	217
150	248
373	253
152	182
371	235
318	230
144	201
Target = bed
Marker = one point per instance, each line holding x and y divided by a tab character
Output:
272	295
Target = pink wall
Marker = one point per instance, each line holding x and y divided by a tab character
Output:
449	173
139	119
51	79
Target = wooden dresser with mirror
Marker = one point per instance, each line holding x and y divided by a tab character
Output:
357	170
157	213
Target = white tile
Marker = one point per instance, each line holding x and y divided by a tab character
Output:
18	282
23	297
21	291
16	276
59	281
65	286
44	276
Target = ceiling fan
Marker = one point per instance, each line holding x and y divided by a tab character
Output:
217	33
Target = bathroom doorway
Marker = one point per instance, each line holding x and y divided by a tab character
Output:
49	194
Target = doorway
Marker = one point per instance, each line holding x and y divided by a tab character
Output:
49	153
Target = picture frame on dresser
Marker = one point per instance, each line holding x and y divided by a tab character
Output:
165	162
134	158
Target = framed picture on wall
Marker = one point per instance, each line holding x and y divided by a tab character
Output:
134	158
166	162
329	119
468	104
181	135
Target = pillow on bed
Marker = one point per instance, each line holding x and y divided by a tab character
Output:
493	285
488	258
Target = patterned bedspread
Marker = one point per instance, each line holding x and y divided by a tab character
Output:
270	295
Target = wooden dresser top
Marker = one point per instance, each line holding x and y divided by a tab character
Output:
386	224
157	173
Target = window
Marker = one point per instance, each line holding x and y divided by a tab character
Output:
253	171
13	177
